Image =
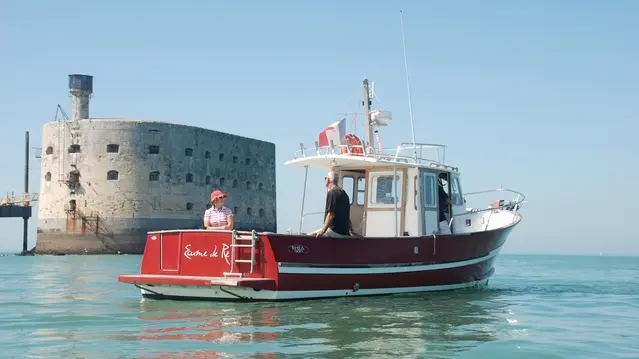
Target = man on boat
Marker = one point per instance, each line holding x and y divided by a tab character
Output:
337	215
444	202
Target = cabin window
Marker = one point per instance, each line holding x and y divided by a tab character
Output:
383	189
74	149
348	185
113	148
429	188
456	198
361	190
112	175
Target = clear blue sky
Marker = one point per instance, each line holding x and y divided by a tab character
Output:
538	96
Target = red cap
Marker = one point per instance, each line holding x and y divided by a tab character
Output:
217	194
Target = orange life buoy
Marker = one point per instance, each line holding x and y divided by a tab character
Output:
357	147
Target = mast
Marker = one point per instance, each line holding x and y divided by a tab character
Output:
367	113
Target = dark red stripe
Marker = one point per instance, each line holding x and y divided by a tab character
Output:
336	251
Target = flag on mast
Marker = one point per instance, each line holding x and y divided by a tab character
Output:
335	132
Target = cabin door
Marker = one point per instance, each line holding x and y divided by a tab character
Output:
428	198
354	183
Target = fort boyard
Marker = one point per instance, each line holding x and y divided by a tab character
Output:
108	181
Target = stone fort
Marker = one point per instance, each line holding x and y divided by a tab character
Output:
108	181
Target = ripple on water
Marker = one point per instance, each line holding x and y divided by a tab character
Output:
67	307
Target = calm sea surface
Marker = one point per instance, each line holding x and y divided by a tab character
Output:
536	307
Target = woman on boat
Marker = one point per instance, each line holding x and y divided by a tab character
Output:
218	216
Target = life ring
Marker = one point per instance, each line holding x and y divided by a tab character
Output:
357	147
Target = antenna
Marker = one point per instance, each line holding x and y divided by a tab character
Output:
410	106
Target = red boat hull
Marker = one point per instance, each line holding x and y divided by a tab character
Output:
191	265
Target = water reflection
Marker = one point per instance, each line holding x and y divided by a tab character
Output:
429	325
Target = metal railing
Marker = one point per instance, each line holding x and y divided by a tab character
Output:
308	214
397	155
513	205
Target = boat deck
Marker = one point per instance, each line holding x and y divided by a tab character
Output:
197	281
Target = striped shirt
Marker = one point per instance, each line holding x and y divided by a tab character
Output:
217	217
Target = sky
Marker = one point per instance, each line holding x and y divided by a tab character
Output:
537	96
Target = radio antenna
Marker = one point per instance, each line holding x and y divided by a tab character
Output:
410	106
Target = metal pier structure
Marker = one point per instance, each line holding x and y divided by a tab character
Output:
19	206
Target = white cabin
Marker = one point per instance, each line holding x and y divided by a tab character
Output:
408	206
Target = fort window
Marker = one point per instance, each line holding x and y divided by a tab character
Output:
189	177
113	148
261	212
234	183
221	157
154	149
188	152
112	175
247	161
248	184
207	180
74	149
235	159
74	176
47	177
189	206
154	176
260	186
207	154
49	150
249	211
221	181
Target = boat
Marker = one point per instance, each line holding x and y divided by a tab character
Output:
404	244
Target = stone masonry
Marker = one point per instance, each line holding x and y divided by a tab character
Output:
106	182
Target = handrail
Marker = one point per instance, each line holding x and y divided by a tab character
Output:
386	154
307	214
513	205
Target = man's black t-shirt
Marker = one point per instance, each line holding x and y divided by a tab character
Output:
337	201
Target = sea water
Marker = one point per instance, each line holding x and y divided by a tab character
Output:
535	307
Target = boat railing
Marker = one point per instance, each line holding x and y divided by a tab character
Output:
301	229
406	153
513	205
